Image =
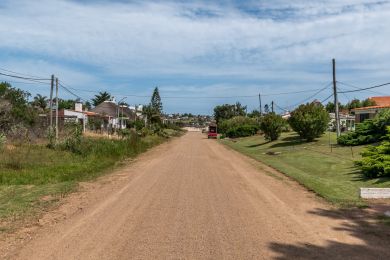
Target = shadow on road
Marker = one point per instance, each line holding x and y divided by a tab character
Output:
375	235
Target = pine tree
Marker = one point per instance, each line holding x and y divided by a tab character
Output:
156	101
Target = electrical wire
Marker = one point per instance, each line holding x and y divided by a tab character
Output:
18	73
281	108
326	99
23	82
70	92
20	77
362	89
312	96
201	97
355	87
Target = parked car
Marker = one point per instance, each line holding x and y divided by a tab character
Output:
212	131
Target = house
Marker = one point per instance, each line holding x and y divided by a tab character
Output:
72	116
363	113
117	114
347	122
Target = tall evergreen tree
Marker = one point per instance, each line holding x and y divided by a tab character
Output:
155	102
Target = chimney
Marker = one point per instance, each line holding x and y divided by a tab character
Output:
78	107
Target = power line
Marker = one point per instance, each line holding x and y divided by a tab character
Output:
292	92
18	73
312	96
281	108
326	99
20	77
198	97
355	87
23	82
70	92
361	89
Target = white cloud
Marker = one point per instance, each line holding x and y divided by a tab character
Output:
280	41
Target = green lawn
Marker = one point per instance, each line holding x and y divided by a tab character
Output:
330	172
34	177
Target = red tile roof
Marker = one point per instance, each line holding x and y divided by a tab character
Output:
381	101
371	107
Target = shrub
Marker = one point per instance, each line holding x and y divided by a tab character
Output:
272	125
124	133
370	131
309	121
139	124
238	126
242	131
376	159
145	132
73	138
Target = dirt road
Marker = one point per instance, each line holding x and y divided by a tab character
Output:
192	198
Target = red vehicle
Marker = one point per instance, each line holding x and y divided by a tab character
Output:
212	131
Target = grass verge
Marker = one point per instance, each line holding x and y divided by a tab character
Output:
328	171
34	177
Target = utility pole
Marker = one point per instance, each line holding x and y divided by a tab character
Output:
51	102
336	101
272	106
56	110
261	111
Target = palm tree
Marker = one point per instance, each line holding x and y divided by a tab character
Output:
40	101
100	98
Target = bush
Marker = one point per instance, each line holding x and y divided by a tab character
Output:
242	131
139	124
73	138
309	121
238	126
272	125
124	133
370	131
376	160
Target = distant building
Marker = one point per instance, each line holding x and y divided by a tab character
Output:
117	115
347	122
363	113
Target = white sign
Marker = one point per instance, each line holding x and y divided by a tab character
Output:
375	193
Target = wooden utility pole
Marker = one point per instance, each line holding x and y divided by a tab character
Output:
51	102
261	111
272	106
336	101
57	109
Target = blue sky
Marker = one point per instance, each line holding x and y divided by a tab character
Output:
198	48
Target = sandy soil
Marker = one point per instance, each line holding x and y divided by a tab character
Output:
193	198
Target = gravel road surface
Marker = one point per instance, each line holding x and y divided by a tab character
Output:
193	198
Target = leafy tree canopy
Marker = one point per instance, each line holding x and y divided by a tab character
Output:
272	126
309	121
40	102
14	107
227	111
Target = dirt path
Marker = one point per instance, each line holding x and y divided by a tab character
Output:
192	198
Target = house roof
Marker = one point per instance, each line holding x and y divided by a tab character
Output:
383	101
107	108
370	107
110	108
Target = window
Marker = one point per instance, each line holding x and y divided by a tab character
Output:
363	117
